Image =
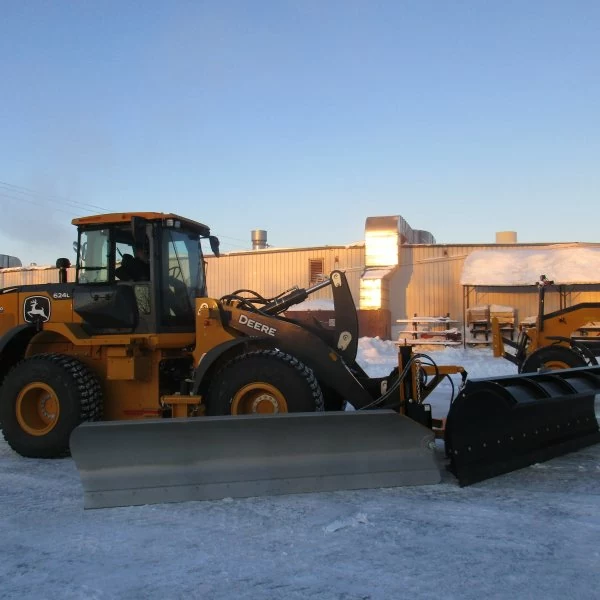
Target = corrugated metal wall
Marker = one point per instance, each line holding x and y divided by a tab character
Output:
428	282
32	276
270	272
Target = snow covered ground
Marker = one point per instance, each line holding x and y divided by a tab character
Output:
533	534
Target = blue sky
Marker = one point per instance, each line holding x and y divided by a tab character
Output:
301	117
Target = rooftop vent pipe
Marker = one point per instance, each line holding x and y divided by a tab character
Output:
506	237
259	239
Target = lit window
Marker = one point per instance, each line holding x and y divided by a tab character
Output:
370	294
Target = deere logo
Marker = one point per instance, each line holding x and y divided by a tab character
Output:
36	309
244	320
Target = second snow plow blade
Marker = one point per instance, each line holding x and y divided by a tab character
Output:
207	458
499	425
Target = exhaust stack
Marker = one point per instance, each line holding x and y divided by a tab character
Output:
259	239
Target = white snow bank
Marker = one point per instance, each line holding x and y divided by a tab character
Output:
324	304
508	267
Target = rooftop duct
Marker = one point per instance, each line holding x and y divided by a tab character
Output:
259	239
383	236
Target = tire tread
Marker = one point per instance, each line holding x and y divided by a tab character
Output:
87	388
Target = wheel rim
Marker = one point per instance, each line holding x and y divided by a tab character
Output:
37	408
258	398
555	364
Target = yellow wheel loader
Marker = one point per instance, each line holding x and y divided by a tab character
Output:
554	341
162	393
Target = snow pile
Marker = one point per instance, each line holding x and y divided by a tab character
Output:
510	267
312	305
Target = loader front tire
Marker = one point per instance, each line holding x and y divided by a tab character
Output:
42	399
264	382
551	358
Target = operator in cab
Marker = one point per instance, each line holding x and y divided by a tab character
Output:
134	268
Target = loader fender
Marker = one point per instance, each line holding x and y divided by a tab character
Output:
555	356
13	345
220	354
577	346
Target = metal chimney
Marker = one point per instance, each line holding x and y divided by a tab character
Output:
506	237
259	239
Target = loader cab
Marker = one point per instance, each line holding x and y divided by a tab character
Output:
140	272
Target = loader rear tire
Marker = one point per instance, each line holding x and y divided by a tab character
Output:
264	382
551	358
42	399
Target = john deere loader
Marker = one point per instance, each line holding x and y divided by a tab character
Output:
162	393
554	340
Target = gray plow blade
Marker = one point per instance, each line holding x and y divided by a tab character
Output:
207	458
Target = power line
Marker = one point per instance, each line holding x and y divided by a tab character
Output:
37	198
18	189
30	201
234	246
223	239
231	238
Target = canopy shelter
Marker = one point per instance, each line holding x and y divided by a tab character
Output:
504	274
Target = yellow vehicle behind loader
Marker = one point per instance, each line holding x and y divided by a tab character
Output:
162	393
552	342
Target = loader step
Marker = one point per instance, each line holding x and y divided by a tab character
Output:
206	458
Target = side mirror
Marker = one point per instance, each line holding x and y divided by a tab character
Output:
62	264
214	244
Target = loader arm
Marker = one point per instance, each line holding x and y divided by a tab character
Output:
521	346
565	322
344	337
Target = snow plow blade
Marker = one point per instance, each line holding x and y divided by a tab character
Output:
499	425
208	458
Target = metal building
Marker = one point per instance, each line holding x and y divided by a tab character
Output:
31	275
395	273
